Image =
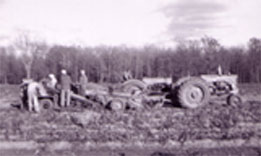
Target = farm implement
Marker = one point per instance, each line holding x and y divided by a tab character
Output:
188	92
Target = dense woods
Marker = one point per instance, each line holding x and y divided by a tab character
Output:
106	64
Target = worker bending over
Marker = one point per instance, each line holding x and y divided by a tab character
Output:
33	91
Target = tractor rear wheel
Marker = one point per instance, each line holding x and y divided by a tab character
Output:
193	93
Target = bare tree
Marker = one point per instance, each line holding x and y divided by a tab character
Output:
3	65
107	63
254	48
28	49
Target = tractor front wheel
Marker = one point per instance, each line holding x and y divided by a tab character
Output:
234	100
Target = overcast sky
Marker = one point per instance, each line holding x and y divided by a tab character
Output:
131	22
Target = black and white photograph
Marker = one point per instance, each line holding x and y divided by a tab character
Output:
130	78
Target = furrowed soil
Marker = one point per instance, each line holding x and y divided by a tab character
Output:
215	129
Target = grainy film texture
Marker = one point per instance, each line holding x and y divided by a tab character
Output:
130	78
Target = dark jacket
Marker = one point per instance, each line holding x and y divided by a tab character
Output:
83	81
66	82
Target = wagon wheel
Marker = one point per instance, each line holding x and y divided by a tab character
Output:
234	100
193	93
46	104
117	104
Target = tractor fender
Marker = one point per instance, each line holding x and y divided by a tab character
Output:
134	83
180	81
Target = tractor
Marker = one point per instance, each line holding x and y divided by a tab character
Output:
193	92
189	92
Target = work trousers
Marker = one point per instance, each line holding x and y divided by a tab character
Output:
82	90
33	103
32	93
65	98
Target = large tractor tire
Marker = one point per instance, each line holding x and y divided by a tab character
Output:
193	93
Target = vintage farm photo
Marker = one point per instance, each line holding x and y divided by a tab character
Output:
130	78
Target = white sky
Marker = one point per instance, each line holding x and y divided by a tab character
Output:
130	22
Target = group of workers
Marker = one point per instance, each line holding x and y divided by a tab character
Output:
50	85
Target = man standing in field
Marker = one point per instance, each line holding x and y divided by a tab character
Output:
83	82
65	89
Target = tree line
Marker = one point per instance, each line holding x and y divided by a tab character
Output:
31	59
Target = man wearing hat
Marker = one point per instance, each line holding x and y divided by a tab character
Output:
83	82
65	89
53	81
